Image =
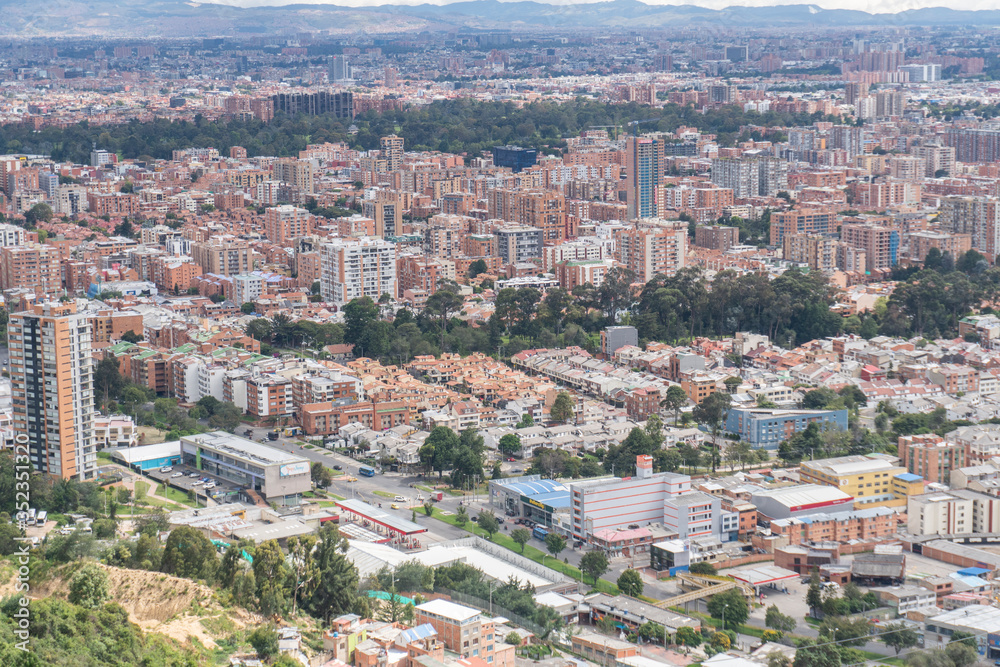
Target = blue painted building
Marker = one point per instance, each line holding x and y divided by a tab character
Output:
768	428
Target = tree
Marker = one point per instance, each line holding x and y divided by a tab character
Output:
521	537
846	631
702	567
89	587
445	301
188	553
732	383
674	400
438	450
227	417
321	475
594	563
730	605
271	574
108	380
477	267
429	508
814	595
391	610
899	636
562	407
510	444
712	412
337	582
488	522
513	638
813	654
248	308
38	213
555	543
773	618
687	636
264	640
462	516
630	583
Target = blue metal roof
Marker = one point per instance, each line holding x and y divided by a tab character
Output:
973	571
908	477
537	487
554	499
413	634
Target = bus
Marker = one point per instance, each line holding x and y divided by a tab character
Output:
367	471
41	518
539	532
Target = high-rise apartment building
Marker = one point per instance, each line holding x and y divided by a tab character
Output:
297	173
392	151
649	251
974	145
751	176
716	237
340	69
283	224
518	243
224	257
644	174
978	216
52	388
881	244
340	105
938	160
817	251
32	266
353	268
890	103
543	209
801	221
387	214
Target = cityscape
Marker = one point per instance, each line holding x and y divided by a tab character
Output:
499	334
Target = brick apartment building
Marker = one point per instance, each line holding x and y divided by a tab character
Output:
465	631
328	417
931	456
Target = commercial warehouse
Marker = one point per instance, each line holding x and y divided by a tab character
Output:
276	475
801	500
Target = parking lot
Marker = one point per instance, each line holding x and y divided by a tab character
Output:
187	478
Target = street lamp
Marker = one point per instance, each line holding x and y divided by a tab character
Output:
492	586
724	608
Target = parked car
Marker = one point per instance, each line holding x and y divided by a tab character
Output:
210	485
192	474
166	469
177	474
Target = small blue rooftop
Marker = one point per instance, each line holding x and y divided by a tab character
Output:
973	571
909	477
538	487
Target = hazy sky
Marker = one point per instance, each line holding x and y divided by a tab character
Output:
874	6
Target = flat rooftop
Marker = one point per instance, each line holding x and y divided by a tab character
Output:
382	517
243	449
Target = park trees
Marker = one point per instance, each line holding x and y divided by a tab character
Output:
730	606
594	563
520	537
630	583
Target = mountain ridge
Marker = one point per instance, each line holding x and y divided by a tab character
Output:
192	19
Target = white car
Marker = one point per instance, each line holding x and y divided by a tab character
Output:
177	474
166	469
197	482
210	485
400	499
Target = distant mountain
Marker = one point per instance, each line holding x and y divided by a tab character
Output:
181	18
